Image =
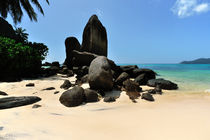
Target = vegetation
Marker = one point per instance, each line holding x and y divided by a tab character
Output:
21	59
22	34
14	7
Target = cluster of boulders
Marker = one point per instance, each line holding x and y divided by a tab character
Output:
90	63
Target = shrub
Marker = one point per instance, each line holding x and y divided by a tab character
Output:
20	59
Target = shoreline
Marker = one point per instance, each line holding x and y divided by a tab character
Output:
172	116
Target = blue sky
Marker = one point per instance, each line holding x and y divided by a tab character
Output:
139	31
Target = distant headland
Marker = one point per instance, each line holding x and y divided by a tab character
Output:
197	61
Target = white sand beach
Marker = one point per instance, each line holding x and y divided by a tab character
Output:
173	116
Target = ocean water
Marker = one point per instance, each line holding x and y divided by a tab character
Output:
189	77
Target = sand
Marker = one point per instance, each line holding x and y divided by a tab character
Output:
173	116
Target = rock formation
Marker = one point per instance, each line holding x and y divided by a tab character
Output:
100	75
71	44
95	37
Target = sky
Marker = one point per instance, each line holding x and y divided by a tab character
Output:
139	31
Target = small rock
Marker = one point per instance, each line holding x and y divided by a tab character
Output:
109	99
131	86
152	91
73	97
30	85
66	85
56	92
3	93
158	89
11	102
123	76
147	97
36	106
49	88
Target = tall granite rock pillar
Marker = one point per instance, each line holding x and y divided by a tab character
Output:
95	37
71	44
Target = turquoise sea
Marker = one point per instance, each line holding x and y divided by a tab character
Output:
189	77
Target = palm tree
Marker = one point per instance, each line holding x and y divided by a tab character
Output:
14	7
22	34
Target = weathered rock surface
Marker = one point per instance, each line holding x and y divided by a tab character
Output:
109	99
66	85
123	76
3	93
142	79
82	58
49	88
164	84
36	106
73	97
149	74
30	85
11	102
131	86
91	96
129	69
100	75
132	89
147	97
95	37
71	44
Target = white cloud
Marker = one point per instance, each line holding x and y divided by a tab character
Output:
185	8
204	7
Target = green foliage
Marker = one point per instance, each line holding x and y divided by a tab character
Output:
21	58
15	9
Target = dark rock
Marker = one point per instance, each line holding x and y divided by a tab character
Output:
47	64
149	74
128	69
30	85
133	95
47	72
56	92
109	99
66	85
142	79
66	71
56	63
164	84
49	88
132	89
158	90
71	44
73	97
152	91
124	76
147	97
3	93
91	96
82	58
95	37
82	80
131	86
36	106
11	102
100	76
70	73
101	92
82	71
